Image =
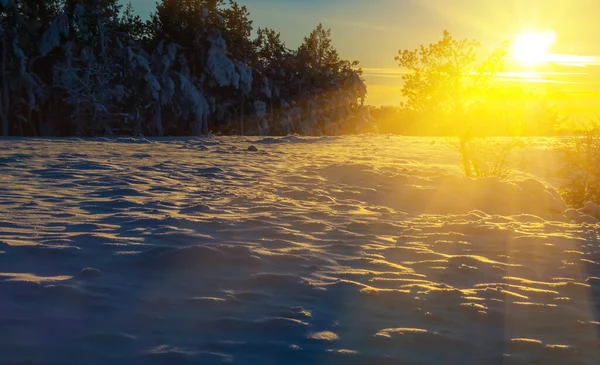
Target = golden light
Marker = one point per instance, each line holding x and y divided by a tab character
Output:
531	49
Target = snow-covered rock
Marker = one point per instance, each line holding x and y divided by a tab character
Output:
591	208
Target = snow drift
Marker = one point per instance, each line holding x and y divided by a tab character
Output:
357	250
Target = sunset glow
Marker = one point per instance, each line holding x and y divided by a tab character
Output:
533	48
299	182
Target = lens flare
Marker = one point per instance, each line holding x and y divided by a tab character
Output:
532	49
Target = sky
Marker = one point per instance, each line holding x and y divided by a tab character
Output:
372	32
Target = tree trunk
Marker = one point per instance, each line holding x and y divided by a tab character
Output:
32	123
4	107
465	155
4	122
464	134
158	125
79	119
242	114
39	126
138	124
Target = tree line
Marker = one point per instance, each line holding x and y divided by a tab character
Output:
95	68
513	113
450	89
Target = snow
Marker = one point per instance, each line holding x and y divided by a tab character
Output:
592	209
172	51
21	57
245	74
137	61
359	85
260	108
220	66
167	91
197	104
337	250
79	14
51	37
266	88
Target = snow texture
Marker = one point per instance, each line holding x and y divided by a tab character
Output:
359	85
266	87
260	108
333	250
137	61
220	66
245	74
51	37
196	102
80	18
21	57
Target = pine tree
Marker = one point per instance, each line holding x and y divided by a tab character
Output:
93	67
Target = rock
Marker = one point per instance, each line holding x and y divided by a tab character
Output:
589	219
590	206
572	214
252	148
89	272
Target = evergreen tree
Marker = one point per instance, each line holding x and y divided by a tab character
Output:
238	31
93	67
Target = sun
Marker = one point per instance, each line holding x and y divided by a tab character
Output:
533	48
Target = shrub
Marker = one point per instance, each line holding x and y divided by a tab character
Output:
486	157
580	166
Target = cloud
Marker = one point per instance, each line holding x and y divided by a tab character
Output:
574	60
384	72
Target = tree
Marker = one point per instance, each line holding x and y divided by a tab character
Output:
329	86
184	21
238	31
21	23
237	35
133	26
271	51
93	67
445	78
317	50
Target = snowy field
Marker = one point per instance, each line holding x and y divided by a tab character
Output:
355	250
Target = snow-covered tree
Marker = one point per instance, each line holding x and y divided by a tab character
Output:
20	87
93	67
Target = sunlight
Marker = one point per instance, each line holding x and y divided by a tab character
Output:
532	49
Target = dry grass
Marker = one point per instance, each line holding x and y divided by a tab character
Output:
580	166
486	157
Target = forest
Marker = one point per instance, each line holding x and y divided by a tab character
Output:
196	67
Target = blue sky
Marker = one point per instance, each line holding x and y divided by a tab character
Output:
372	31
